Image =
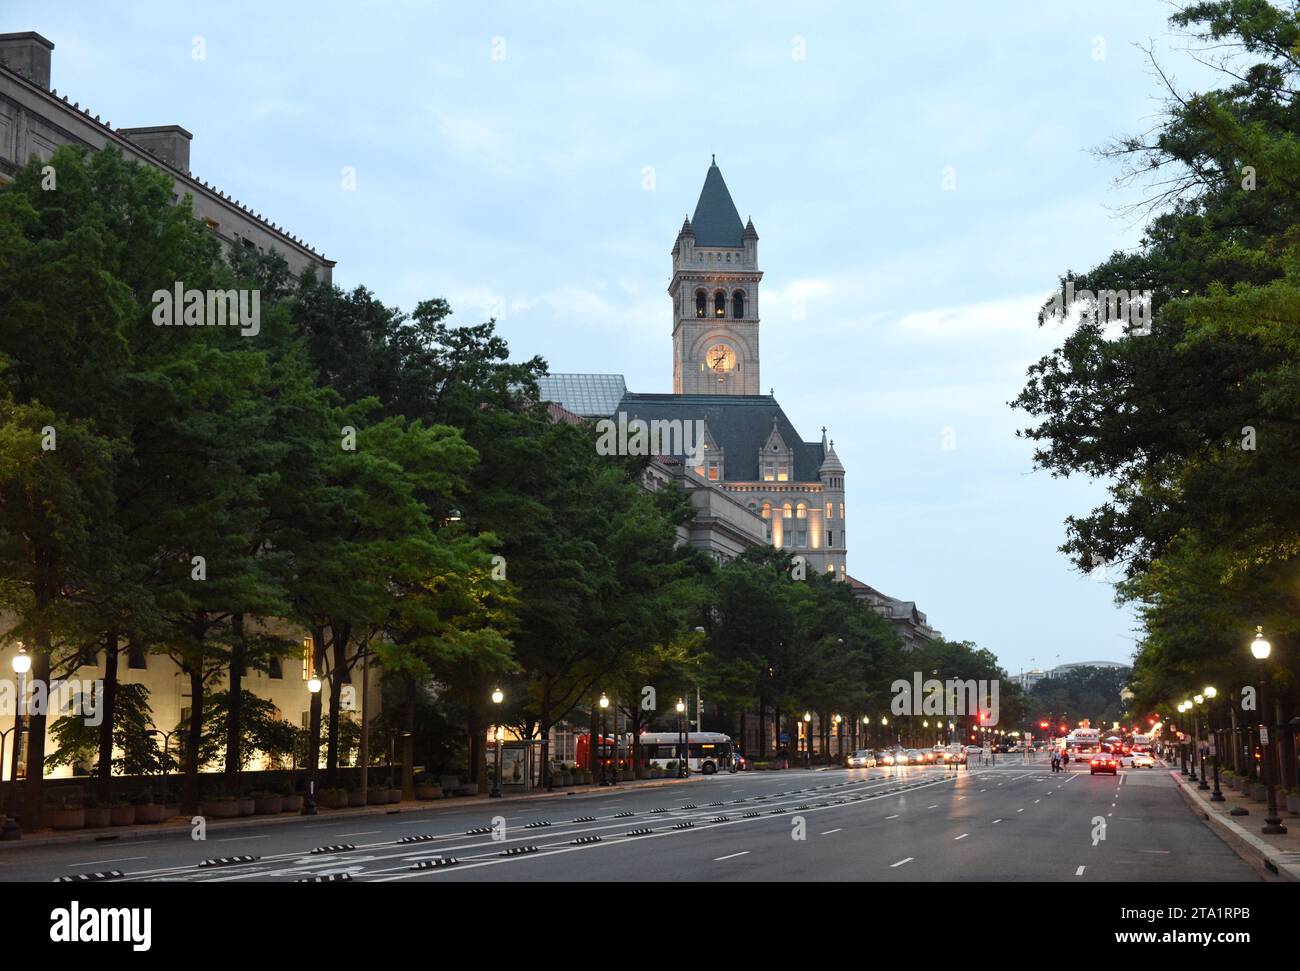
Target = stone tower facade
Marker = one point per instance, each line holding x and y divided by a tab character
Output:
715	297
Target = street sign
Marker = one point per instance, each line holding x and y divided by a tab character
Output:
1263	734
783	737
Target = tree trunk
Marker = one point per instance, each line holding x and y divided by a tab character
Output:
193	738
477	757
107	709
35	723
342	633
762	728
238	654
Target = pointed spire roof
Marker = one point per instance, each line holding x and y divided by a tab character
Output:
716	221
831	463
686	229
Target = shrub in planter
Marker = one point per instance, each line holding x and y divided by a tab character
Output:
427	787
96	815
66	814
267	803
376	795
220	807
332	798
146	810
394	795
122	813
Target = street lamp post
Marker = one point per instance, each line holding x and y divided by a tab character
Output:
22	663
839	736
604	732
313	743
681	740
498	696
1200	749
1210	693
1261	649
807	740
1182	746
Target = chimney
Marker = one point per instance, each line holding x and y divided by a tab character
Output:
27	53
171	143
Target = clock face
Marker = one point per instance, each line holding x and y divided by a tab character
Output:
720	357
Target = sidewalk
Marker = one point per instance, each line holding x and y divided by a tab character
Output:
180	825
1276	854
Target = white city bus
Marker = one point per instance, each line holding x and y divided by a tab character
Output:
708	751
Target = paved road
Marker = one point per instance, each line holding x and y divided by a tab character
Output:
1009	822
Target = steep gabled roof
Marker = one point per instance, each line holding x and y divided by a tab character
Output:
716	221
739	424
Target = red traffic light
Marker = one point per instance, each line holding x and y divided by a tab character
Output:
1042	724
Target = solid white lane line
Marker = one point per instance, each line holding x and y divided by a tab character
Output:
829	831
997	820
901	862
895	816
120	859
961	837
935	806
719	859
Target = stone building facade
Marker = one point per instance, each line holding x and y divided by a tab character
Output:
35	120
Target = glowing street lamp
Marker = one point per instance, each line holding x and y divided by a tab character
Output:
1261	649
498	696
314	686
681	739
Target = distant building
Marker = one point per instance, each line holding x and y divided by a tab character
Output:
908	622
755	479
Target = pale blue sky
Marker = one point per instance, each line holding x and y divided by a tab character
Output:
501	152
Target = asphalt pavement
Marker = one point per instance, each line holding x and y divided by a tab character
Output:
1013	821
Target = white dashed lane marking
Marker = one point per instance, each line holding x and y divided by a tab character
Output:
719	859
901	862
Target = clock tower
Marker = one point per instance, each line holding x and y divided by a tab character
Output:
715	297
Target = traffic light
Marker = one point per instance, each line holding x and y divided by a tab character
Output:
1042	724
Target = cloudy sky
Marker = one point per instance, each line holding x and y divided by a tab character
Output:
919	176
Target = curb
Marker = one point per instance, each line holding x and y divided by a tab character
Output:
127	834
1251	848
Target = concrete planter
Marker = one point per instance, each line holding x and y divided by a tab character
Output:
394	795
1293	802
121	816
331	798
268	805
227	809
428	792
150	813
291	804
247	806
376	795
97	818
65	819
354	798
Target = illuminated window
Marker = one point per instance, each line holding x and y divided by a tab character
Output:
830	510
701	303
801	511
841	510
767	510
830	567
786	510
719	304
